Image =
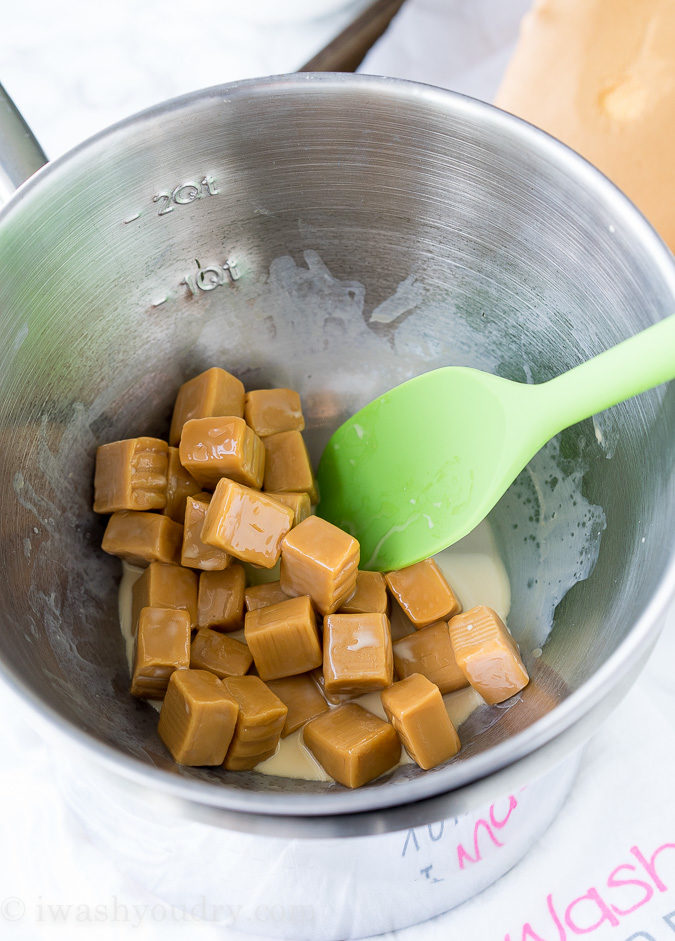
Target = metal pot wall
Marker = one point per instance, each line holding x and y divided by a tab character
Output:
337	234
322	889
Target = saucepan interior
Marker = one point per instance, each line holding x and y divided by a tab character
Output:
338	235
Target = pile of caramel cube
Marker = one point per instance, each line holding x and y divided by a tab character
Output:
231	492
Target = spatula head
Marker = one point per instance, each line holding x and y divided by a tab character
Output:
421	466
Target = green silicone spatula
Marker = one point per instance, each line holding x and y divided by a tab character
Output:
419	467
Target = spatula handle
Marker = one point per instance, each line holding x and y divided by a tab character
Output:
640	363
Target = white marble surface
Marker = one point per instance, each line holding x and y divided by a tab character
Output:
74	68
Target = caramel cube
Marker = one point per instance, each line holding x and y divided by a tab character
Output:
198	718
352	745
259	596
165	586
298	502
131	475
247	524
487	654
220	604
357	653
335	699
423	593
370	595
269	411
213	392
179	486
429	652
415	708
319	560
219	654
302	699
262	716
196	554
287	464
283	638
211	448
141	538
162	646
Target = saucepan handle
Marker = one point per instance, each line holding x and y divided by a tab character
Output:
20	153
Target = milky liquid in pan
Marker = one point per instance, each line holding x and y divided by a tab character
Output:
477	574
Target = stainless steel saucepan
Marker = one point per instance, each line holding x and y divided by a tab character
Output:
338	234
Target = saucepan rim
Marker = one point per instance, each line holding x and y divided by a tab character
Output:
455	776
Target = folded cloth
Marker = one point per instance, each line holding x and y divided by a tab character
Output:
600	76
449	43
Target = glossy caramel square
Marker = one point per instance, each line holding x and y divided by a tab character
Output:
352	745
415	708
301	697
429	652
220	603
196	554
487	654
246	524
287	465
283	638
165	586
335	699
423	593
140	538
270	411
213	392
131	475
357	653
298	502
262	716
211	448
198	718
162	646
369	597
179	486
259	596
219	654
319	560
